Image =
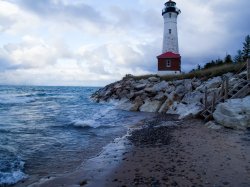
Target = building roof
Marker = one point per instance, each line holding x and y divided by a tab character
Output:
169	55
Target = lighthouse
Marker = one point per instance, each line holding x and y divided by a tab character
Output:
169	62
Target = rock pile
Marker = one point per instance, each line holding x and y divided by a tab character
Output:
182	97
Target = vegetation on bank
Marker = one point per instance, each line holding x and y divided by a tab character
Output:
211	69
203	74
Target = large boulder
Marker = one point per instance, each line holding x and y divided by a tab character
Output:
140	86
151	106
214	82
165	106
193	97
125	104
163	85
185	111
136	104
153	79
234	113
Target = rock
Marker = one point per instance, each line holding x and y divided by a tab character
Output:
140	86
163	85
125	105
150	91
211	83
160	96
188	85
138	93
165	106
212	125
130	95
117	86
151	106
195	83
178	83
136	104
180	90
170	89
123	94
185	111
143	81
234	113
153	79
193	97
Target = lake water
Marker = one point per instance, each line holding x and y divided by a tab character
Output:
45	131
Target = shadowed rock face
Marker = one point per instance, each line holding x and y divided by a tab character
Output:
182	97
235	113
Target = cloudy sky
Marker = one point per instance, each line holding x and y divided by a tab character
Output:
94	42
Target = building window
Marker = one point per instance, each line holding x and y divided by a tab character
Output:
170	15
169	31
168	63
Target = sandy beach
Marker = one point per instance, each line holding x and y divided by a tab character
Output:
184	153
165	151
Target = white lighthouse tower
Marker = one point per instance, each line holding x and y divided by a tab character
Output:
170	61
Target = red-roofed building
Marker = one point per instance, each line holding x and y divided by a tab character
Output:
170	61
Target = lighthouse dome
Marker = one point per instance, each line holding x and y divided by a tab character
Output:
170	6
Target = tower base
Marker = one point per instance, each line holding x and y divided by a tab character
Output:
163	73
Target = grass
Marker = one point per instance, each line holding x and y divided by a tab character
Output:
203	74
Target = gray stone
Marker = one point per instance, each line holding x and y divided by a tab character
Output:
151	106
186	111
163	85
211	83
165	106
140	86
160	96
153	79
170	89
234	113
193	97
195	83
136	104
188	85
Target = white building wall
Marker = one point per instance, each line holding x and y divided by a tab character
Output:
162	73
170	40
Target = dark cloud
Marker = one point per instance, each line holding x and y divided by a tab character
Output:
49	8
6	64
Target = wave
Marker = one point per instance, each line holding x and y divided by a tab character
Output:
9	178
86	123
12	99
13	174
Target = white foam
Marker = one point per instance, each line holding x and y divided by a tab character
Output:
85	123
11	178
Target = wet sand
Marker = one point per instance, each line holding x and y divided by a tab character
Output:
188	154
168	152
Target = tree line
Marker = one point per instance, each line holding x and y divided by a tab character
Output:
240	57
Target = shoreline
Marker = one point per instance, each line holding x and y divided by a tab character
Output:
166	151
188	155
93	169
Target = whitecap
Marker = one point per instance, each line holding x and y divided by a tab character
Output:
9	178
15	173
85	123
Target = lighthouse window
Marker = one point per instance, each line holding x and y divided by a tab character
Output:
169	30
168	63
170	15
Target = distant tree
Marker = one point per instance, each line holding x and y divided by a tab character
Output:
246	48
198	67
209	64
239	57
219	62
228	59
